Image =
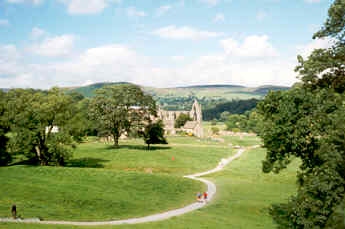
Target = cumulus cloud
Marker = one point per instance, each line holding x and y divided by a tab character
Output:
252	46
312	1
307	49
210	2
89	7
133	12
184	33
9	57
219	18
117	62
54	46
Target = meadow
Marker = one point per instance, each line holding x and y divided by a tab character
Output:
153	184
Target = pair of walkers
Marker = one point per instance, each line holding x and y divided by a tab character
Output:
201	197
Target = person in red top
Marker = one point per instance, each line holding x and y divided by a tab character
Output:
205	197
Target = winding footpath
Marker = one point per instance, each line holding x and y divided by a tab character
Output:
211	190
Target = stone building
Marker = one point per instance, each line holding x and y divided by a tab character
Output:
194	127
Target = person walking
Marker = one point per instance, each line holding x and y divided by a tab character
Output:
14	211
205	197
198	197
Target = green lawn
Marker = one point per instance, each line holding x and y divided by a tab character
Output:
183	155
54	193
103	183
244	193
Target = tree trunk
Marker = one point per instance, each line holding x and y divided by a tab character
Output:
148	146
116	141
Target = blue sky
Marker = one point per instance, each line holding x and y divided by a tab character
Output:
45	43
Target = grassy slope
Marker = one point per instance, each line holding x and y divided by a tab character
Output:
242	201
190	155
105	183
82	194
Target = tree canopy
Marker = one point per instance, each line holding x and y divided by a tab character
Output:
121	109
154	134
308	122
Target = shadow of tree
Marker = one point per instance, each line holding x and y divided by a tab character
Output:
144	147
87	162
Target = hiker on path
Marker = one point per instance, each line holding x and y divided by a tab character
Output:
198	197
205	197
14	211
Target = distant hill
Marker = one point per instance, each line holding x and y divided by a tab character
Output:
181	98
89	90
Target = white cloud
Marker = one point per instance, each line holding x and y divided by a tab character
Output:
210	2
117	62
177	58
37	33
163	10
87	7
4	22
185	33
54	46
9	57
35	2
133	12
307	49
252	46
312	1
219	17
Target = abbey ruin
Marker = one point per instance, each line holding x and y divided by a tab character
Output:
192	127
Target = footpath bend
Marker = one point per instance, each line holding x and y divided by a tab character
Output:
211	190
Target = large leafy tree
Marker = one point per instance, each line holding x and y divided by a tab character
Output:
308	122
121	109
34	117
4	128
154	134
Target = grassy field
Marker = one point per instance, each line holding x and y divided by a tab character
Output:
103	183
183	155
244	193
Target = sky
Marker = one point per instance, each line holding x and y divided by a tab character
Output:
65	43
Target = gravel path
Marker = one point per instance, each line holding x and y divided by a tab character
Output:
211	190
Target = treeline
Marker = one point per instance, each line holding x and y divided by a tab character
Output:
231	107
46	125
174	103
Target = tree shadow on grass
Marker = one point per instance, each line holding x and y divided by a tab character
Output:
143	147
86	162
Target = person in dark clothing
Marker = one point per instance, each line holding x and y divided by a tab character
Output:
14	211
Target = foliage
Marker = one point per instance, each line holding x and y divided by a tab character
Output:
33	117
233	107
308	122
215	130
154	134
181	120
248	122
120	109
5	157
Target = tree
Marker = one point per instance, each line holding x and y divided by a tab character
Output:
120	109
5	157
154	134
308	122
182	119
34	118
